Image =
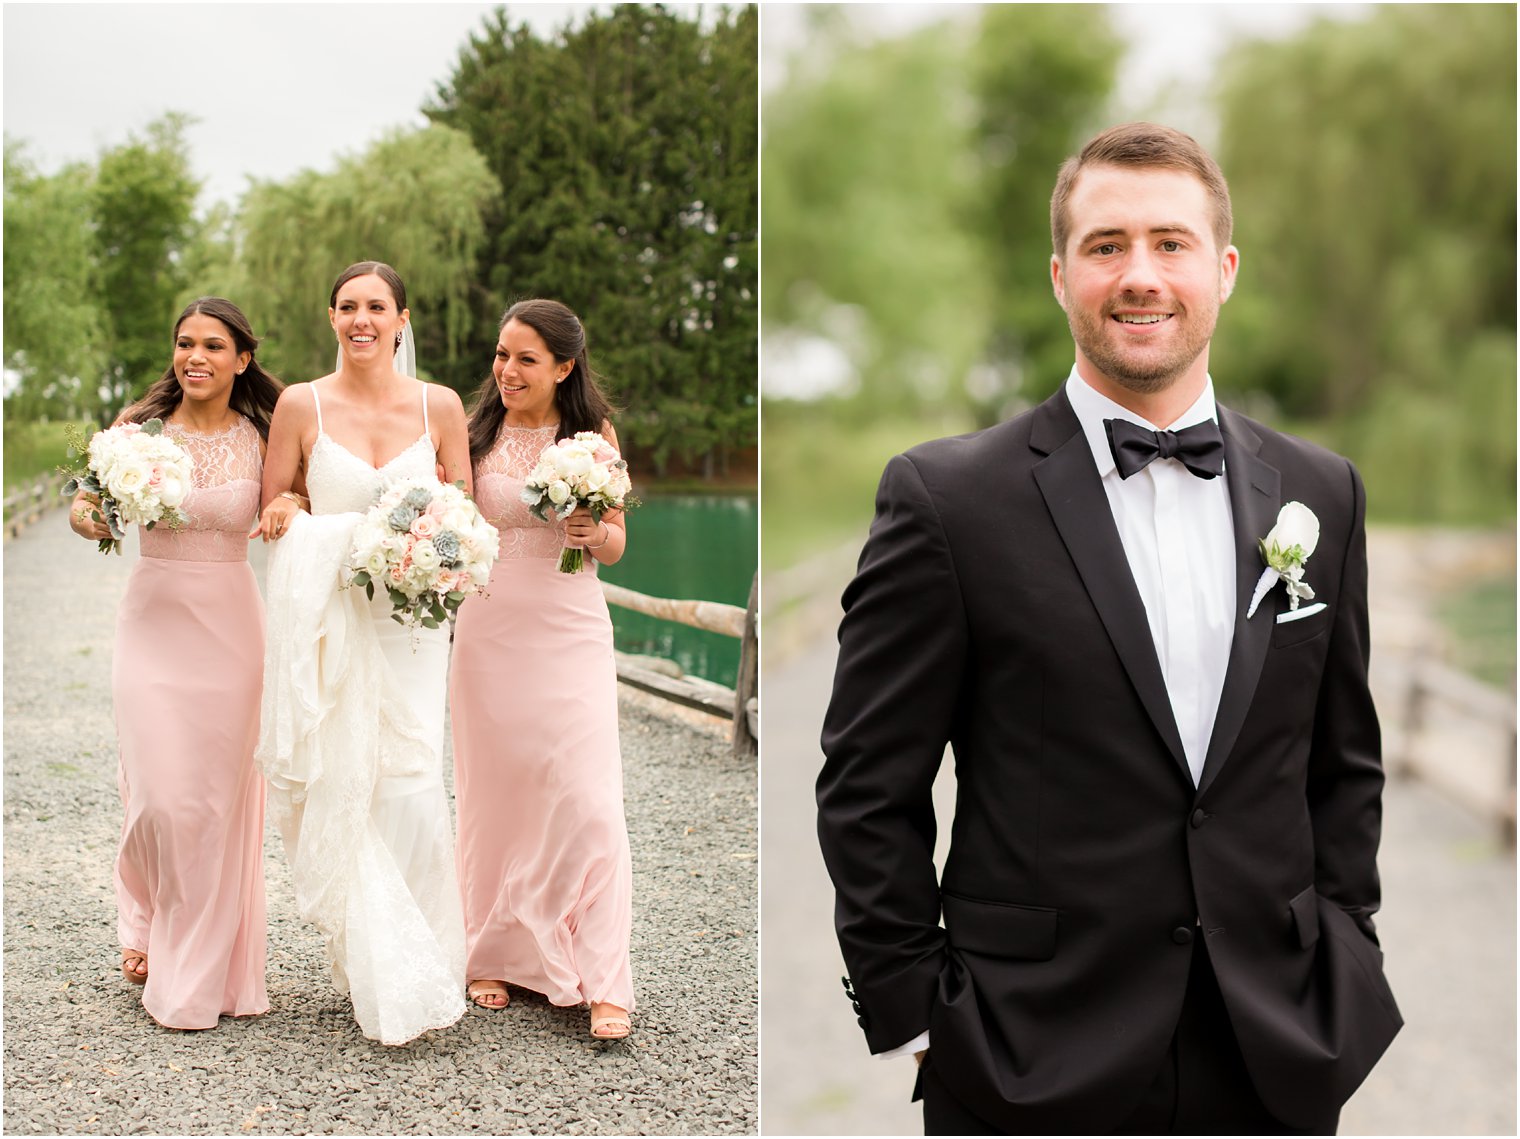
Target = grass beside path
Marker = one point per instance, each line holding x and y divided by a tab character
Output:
820	470
1480	617
33	450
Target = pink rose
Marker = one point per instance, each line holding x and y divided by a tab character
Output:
426	526
155	474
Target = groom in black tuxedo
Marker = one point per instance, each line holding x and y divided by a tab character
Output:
1157	904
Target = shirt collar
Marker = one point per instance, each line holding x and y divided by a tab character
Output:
1093	407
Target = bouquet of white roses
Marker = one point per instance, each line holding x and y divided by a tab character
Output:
428	545
583	470
137	472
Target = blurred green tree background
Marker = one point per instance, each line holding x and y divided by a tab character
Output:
907	183
611	165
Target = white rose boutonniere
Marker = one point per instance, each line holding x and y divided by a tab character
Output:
1285	550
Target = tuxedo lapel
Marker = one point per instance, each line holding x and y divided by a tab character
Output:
1255	490
1074	495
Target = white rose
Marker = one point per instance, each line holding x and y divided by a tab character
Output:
458	518
425	556
374	564
559	492
128	479
596	478
370	535
172	488
1296	526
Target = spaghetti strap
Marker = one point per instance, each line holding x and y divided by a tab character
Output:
425	429
318	402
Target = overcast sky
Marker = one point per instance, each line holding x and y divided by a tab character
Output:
276	87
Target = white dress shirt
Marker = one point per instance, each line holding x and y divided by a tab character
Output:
1178	536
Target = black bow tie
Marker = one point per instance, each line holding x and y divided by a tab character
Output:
1199	448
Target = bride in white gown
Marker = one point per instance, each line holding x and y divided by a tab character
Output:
352	733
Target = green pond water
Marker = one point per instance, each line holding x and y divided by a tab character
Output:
690	546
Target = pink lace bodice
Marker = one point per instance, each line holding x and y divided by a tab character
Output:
223	501
499	479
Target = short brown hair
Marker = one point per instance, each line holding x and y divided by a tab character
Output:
1140	145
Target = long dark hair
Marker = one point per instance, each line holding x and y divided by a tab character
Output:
578	398
254	392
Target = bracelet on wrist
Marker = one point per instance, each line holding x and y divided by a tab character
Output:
292	495
606	535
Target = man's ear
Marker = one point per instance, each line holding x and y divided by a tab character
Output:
1057	284
1229	264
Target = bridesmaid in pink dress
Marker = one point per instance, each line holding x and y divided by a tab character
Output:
544	864
185	682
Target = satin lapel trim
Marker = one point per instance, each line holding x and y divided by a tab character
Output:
1074	496
1255	490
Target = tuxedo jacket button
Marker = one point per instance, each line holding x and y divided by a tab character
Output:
1198	818
1182	935
862	1022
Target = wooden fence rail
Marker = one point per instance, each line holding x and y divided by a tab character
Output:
27	504
741	703
1433	689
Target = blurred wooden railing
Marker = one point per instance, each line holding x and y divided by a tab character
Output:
741	704
1437	697
27	504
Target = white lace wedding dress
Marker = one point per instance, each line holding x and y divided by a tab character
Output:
351	744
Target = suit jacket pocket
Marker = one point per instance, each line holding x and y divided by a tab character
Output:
1000	929
1285	633
1305	916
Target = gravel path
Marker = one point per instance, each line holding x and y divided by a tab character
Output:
1447	925
82	1057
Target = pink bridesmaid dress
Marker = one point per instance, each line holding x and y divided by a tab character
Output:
544	863
185	681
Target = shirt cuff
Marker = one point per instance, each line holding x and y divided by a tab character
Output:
917	1044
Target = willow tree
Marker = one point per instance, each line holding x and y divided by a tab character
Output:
143	203
416	200
869	186
1041	75
625	147
56	331
907	189
1372	166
